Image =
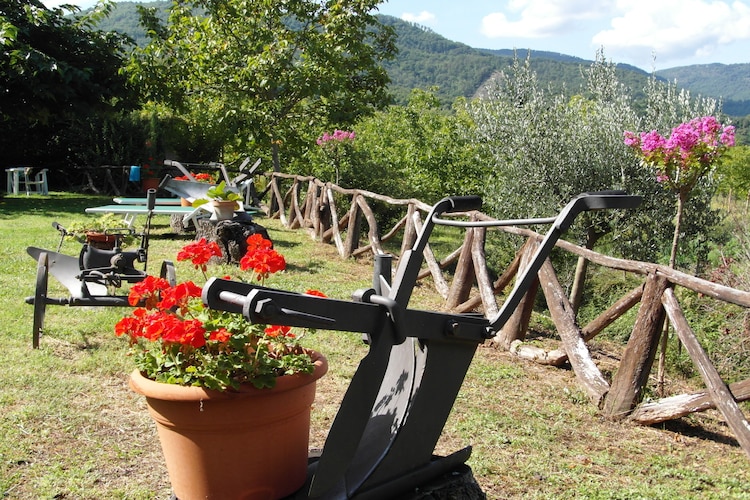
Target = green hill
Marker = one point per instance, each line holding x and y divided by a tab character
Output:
730	82
427	59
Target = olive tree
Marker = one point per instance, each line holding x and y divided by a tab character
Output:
546	147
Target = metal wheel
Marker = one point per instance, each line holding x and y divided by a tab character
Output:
40	297
168	272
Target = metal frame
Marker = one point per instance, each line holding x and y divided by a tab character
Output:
382	440
93	277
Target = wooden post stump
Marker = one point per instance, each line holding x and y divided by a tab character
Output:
231	235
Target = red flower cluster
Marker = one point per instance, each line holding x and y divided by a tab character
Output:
261	257
147	292
176	339
162	324
199	253
201	177
276	331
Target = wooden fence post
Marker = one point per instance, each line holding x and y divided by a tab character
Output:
279	201
354	227
462	277
718	390
563	316
517	325
441	285
410	230
325	217
638	357
295	215
335	221
311	215
484	281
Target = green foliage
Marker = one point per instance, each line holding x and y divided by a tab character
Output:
218	193
416	151
428	60
258	74
58	74
718	80
734	177
545	148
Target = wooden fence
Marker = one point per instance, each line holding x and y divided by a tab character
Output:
307	203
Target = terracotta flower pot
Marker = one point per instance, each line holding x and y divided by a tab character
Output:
149	183
224	210
250	444
100	240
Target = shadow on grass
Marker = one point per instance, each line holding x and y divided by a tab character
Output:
55	205
685	428
311	267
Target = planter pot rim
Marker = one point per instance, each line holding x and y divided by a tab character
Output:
173	392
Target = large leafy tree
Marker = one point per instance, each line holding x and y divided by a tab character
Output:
263	74
55	71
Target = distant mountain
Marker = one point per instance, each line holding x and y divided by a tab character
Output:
730	82
427	59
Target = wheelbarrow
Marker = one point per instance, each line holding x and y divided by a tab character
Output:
94	277
381	443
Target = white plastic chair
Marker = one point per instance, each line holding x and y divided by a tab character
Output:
37	183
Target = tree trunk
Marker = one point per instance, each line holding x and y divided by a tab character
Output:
661	371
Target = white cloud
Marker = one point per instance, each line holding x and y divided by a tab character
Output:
424	17
674	29
543	18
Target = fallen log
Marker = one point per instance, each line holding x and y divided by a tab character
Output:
673	407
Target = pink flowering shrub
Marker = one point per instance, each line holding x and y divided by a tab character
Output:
337	136
689	153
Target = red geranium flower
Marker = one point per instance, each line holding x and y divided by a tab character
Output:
199	253
261	257
179	295
257	241
275	331
147	290
220	335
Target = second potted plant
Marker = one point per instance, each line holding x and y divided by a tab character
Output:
224	201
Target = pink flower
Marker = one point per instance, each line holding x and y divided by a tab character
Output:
692	149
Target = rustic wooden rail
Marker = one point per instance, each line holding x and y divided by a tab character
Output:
308	203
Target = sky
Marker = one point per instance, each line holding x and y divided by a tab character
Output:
649	34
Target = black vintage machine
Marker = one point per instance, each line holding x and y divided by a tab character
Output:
382	440
95	276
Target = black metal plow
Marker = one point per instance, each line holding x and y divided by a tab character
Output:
94	277
382	440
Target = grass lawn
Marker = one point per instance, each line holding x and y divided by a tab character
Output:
71	428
